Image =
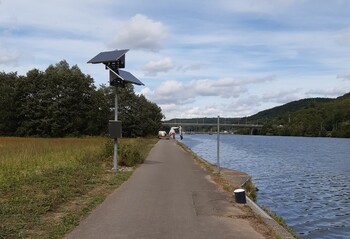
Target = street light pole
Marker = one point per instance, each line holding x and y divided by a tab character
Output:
113	61
115	155
218	146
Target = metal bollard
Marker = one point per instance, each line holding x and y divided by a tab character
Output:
240	196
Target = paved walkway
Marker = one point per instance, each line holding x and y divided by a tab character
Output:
169	196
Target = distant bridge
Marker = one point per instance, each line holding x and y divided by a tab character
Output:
255	126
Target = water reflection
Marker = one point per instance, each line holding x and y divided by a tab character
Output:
304	180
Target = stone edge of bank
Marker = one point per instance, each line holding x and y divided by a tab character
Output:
237	178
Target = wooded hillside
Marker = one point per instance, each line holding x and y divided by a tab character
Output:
308	117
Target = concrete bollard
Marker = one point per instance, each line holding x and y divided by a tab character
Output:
240	196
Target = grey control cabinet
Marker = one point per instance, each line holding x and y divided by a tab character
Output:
115	129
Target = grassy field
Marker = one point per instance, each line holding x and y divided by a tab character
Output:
48	185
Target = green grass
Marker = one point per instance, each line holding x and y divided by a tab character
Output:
48	185
251	190
280	221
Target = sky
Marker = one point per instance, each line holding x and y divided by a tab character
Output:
197	58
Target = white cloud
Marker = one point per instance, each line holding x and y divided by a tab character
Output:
144	91
154	67
283	96
206	111
50	17
259	80
9	57
169	87
192	67
169	107
174	92
219	58
236	108
223	87
177	92
344	77
343	37
176	111
243	106
326	93
140	32
169	92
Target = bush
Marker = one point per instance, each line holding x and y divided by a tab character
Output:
251	190
129	156
130	151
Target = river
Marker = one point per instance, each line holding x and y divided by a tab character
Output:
304	180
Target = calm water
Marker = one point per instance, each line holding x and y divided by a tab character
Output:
304	180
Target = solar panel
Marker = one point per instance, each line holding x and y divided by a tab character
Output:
108	56
113	60
124	76
127	76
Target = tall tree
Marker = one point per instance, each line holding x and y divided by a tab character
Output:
62	101
102	109
31	104
139	116
7	103
57	102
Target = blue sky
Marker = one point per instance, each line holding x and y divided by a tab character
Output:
197	58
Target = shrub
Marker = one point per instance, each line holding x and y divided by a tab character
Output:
251	190
130	151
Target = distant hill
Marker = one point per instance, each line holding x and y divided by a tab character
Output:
308	117
289	108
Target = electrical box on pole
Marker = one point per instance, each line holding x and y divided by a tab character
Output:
113	61
115	129
218	146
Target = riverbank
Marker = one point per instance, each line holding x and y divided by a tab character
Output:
233	179
300	179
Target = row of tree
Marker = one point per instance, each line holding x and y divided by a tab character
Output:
308	117
63	101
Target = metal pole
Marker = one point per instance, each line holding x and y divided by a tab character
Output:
115	156
218	146
116	104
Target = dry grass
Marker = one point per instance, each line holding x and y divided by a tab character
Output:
26	157
48	185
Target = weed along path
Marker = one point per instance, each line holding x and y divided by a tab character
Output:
169	196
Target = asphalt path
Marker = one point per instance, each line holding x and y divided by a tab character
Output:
169	196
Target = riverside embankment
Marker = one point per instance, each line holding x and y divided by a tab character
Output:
300	179
230	180
171	196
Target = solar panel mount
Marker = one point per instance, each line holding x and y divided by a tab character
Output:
113	60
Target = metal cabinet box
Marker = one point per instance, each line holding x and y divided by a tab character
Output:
115	129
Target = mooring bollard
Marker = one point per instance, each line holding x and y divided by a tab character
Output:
240	196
